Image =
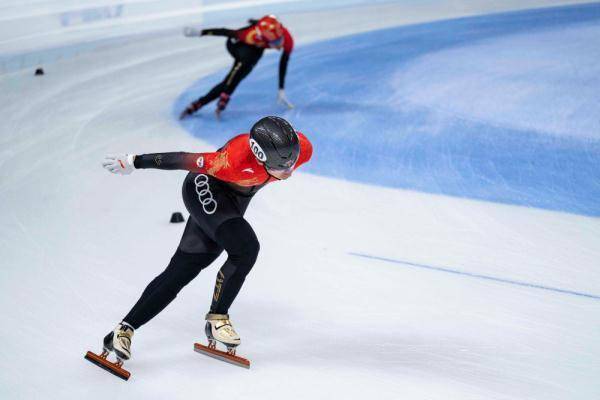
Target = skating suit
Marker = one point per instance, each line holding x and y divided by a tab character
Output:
246	47
216	192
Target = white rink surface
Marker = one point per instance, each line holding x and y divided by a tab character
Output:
78	246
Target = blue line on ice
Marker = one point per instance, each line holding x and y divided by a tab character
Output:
478	276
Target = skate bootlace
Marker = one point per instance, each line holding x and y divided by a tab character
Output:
126	333
228	329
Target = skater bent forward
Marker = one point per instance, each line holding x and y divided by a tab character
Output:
216	192
246	45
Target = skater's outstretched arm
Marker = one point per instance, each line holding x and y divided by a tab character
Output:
124	164
218	164
193	162
231	33
288	45
283	63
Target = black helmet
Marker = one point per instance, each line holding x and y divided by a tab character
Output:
275	143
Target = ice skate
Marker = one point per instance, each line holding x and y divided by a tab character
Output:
119	342
219	329
191	109
222	104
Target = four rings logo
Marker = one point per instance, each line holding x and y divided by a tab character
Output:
258	152
205	196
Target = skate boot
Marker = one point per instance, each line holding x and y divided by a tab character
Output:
119	341
222	103
191	109
219	329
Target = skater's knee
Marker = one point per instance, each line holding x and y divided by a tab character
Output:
244	254
239	240
248	247
245	258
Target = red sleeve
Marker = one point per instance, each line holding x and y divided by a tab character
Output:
306	150
288	41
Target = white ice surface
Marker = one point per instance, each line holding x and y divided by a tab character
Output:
78	245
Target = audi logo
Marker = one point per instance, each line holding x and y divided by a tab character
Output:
205	196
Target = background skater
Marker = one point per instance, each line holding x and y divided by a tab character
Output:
246	45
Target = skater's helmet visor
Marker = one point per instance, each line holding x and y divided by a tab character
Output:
280	168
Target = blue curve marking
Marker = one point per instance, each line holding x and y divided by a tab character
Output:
342	87
479	276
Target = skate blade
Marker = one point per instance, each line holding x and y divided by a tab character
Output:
221	355
106	365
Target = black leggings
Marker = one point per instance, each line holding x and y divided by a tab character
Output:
245	58
206	235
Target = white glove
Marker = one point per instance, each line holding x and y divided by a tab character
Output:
282	99
121	164
188	31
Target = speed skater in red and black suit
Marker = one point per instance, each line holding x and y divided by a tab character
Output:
216	192
246	45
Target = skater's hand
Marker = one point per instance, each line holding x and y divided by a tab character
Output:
282	99
119	164
188	31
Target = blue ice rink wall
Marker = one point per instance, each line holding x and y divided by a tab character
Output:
503	108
